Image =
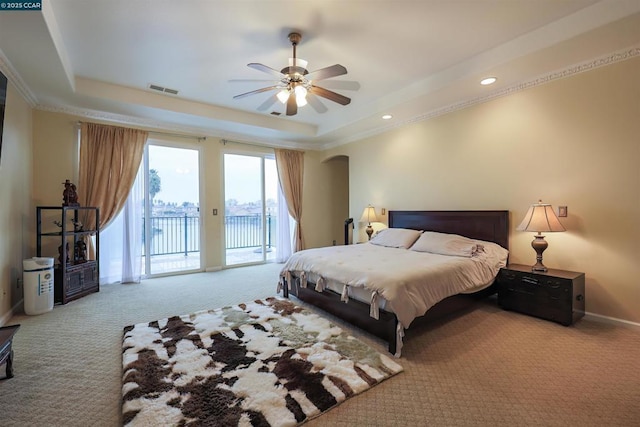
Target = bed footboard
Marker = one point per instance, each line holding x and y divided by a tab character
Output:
354	312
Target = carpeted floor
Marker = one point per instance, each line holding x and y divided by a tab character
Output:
486	367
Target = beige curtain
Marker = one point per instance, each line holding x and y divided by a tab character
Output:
109	160
290	165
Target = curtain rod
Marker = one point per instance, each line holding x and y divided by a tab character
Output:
178	135
224	141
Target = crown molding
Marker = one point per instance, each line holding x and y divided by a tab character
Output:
15	79
118	118
602	61
163	127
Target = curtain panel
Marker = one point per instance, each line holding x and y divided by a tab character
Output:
283	242
290	165
121	242
109	160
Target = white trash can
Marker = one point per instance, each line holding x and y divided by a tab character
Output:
38	285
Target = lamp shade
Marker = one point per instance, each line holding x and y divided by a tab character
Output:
369	215
283	96
540	218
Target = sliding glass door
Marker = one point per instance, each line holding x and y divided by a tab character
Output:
172	210
251	208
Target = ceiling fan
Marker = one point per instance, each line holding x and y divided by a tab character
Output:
296	86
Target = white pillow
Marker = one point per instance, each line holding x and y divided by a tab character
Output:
395	237
446	244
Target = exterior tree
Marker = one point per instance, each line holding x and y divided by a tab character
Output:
154	183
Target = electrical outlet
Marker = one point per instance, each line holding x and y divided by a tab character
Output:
562	211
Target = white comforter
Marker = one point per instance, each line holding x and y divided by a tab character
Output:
410	281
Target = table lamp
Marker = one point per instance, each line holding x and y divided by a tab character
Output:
540	218
369	216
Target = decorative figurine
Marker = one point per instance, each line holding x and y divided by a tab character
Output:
60	252
69	195
81	252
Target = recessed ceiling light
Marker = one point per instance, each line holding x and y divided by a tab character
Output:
387	117
488	81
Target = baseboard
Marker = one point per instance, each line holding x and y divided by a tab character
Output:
210	269
611	320
8	315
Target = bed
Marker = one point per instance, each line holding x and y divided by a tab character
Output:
382	297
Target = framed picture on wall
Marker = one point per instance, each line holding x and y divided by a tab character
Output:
3	102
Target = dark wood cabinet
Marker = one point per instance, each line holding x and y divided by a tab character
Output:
74	275
555	295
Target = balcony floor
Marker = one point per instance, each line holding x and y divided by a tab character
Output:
248	255
173	263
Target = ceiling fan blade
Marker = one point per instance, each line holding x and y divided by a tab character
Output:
268	103
253	92
327	72
265	69
315	102
292	106
341	84
332	96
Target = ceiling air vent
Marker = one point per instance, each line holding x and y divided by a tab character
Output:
163	89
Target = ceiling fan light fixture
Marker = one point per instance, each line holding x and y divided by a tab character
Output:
301	100
283	96
301	95
301	91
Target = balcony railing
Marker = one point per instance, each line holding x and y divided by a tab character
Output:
245	231
181	234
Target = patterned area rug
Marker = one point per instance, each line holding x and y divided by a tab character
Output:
264	363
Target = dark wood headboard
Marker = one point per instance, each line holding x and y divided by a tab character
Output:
491	226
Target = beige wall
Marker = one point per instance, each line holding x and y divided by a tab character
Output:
55	144
16	208
572	142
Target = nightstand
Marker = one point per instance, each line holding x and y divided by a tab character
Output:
555	295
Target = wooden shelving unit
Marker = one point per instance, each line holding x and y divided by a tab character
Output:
74	275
